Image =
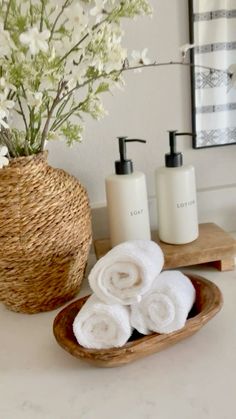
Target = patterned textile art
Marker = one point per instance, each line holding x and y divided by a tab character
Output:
214	102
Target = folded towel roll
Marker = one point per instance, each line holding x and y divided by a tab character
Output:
126	272
100	326
165	307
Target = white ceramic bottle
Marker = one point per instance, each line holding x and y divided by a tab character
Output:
127	202
176	198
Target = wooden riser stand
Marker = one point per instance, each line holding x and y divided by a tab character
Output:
213	246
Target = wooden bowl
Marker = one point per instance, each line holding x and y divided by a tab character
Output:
208	302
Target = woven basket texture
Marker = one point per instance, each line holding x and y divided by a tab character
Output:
45	235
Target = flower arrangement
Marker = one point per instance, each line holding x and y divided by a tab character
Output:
57	57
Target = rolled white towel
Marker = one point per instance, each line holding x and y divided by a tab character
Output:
165	307
126	272
100	326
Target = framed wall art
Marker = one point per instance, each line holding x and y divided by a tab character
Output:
213	32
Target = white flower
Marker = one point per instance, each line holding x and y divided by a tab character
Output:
5	85
98	8
117	55
77	17
101	8
185	48
35	40
3	160
6	43
2	82
95	107
52	55
105	50
21	57
63	46
97	63
54	136
5	105
2	120
77	75
139	58
34	99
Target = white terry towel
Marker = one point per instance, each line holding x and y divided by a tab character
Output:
126	272
165	307
100	326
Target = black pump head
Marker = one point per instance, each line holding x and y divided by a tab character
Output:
124	166
174	158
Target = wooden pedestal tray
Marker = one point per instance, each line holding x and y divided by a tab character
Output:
213	245
208	303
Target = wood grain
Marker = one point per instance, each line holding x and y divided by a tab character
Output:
212	245
208	302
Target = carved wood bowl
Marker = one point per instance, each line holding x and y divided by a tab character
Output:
208	302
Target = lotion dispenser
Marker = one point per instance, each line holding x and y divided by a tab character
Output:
127	201
176	197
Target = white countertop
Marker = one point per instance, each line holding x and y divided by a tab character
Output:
194	379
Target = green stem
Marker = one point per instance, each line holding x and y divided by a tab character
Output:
23	90
26	148
155	64
31	125
12	94
73	48
26	126
4	135
62	107
23	114
7	13
59	115
66	116
162	64
79	86
58	123
42	15
57	18
31	14
38	127
83	38
56	101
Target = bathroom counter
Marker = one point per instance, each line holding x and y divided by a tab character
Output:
194	379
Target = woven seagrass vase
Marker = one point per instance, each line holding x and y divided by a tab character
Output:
45	235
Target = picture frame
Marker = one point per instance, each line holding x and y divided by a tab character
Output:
213	32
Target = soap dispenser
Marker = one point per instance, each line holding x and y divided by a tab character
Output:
176	197
127	201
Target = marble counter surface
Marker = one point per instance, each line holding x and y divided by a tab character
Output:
195	379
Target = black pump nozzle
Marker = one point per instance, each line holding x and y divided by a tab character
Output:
124	166
174	158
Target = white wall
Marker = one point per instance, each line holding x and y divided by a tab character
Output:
153	102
